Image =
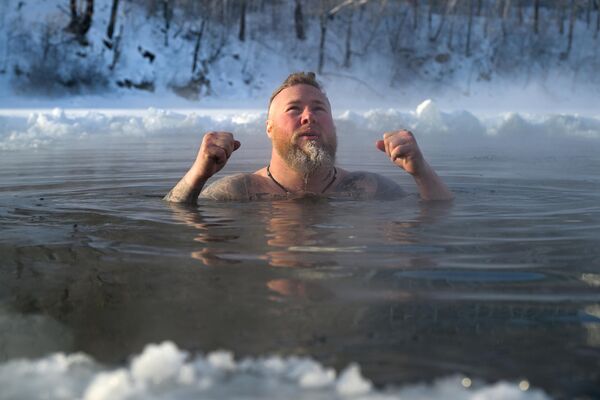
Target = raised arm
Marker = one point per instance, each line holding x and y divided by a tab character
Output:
402	148
215	150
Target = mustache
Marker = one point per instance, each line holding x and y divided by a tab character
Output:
307	130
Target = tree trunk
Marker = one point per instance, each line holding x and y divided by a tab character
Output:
117	48
242	33
469	26
86	23
486	21
536	16
571	28
322	42
74	17
451	33
415	4
561	17
80	24
299	21
197	46
441	24
167	17
505	17
113	18
597	21
506	10
430	18
348	54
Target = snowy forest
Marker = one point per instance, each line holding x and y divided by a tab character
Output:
242	48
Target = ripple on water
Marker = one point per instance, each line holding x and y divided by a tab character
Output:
473	276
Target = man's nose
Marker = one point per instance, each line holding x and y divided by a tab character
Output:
307	116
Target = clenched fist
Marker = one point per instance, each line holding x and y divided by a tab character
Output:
401	147
215	150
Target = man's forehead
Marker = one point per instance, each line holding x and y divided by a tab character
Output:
301	93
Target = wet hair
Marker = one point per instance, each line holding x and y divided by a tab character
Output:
297	78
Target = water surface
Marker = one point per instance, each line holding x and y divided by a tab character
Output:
501	284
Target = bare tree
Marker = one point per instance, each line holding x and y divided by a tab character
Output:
571	28
429	16
561	16
242	32
415	5
167	15
80	23
199	35
348	52
449	6
113	19
536	16
299	21
469	27
323	24
505	16
597	20
116	48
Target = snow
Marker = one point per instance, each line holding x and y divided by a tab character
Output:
351	382
162	371
510	69
27	129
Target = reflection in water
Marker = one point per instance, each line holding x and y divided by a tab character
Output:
292	223
593	325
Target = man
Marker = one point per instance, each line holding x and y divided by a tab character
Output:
301	128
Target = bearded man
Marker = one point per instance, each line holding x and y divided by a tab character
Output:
304	142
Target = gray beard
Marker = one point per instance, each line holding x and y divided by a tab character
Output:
309	159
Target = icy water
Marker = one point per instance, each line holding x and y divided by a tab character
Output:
503	284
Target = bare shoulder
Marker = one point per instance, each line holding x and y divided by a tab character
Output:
233	187
363	184
238	187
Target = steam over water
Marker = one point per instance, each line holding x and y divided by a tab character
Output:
493	296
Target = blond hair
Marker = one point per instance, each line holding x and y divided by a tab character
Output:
297	78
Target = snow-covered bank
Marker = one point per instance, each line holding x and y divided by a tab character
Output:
26	129
165	372
374	54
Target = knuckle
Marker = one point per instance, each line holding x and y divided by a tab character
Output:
210	136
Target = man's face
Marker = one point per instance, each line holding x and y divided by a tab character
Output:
302	129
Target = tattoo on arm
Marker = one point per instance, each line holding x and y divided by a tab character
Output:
235	187
183	193
388	189
369	186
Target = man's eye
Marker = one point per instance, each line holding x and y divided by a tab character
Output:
293	108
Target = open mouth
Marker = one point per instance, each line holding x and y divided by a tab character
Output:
308	135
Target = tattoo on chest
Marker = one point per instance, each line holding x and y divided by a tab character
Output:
353	184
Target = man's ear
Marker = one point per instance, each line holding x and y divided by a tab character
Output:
270	129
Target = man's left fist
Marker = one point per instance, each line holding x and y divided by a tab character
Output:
402	148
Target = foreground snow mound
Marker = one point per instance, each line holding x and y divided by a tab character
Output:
164	372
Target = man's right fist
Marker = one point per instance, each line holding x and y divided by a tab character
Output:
214	152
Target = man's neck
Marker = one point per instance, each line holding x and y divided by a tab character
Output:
296	181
